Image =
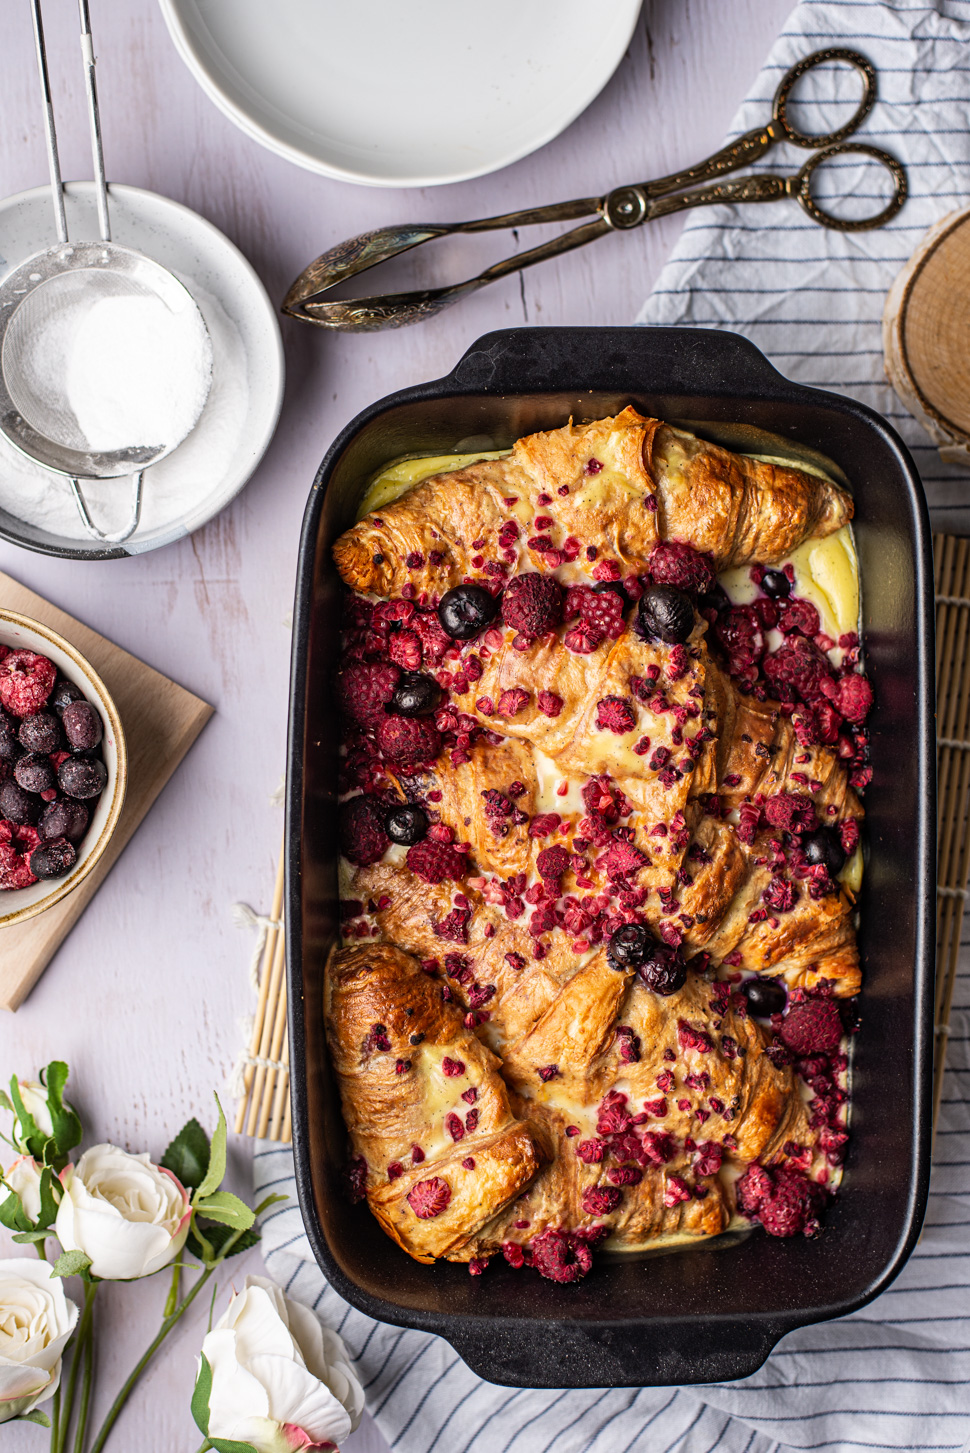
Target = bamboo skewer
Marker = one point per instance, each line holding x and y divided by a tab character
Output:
264	986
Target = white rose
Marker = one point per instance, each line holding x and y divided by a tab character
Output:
129	1216
36	1320
34	1096
24	1178
280	1380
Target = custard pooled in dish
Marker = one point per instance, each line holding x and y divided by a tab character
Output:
604	744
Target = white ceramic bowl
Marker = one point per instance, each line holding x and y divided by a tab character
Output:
22	634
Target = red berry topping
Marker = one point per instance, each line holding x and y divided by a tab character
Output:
429	1198
583	639
783	1199
676	1190
14	870
598	610
26	681
797	670
560	1257
791	812
510	703
623	858
855	698
601	1200
752	1188
408	739
812	1027
363	837
552	863
363	690
544	823
797	615
454	1126
615	714
452	1068
357	1178
549	703
673	563
693	1038
532	604
434	640
405	650
436	862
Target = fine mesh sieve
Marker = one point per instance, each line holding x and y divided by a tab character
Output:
47	303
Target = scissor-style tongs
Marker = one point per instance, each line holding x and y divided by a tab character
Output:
619	210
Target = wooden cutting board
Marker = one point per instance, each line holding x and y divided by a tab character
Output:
161	721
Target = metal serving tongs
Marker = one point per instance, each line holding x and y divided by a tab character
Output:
619	211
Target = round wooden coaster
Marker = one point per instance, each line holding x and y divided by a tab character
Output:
926	337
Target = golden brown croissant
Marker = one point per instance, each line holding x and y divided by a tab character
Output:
614	487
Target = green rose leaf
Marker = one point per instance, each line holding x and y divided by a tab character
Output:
217	1161
227	1209
13	1215
27	1238
5	1101
41	1419
71	1263
216	1238
229	1445
268	1201
48	1201
188	1155
201	1394
30	1137
67	1126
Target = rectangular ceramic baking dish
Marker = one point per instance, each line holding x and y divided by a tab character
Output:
714	1312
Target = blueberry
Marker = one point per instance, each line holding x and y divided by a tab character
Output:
666	614
465	611
40	733
16	805
82	726
629	946
53	860
10	748
776	584
407	825
415	694
64	693
765	997
82	777
63	818
664	970
34	772
824	847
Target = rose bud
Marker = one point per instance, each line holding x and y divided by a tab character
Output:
37	1321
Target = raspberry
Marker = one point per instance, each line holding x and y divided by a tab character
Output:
363	837
436	862
709	1157
740	635
560	1257
797	615
599	610
26	681
780	895
601	1200
790	812
659	1146
357	1178
405	650
544	823
434	639
854	699
408	739
429	1198
752	1189
14	869
603	799
849	835
691	1038
812	1027
623	858
452	1068
613	1118
792	1204
549	703
673	563
532	604
363	690
591	1152
817	724
552	863
797	670
583	639
676	1190
510	703
615	714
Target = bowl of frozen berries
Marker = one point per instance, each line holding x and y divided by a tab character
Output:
63	768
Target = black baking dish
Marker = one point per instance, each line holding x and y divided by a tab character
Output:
710	1313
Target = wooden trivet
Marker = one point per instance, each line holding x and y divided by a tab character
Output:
161	721
924	336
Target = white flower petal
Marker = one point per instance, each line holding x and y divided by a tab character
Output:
126	1214
296	1396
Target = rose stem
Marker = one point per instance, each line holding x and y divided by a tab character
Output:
83	1333
55	1418
82	1417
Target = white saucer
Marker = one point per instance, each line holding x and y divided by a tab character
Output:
394	94
243	406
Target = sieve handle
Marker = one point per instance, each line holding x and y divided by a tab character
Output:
50	131
94	117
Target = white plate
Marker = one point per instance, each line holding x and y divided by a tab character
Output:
402	93
213	463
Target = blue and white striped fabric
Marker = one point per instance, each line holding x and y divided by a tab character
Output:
897	1374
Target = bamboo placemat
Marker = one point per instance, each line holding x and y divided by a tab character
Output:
264	1108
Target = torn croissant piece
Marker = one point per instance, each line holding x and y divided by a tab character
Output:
427	1111
616	487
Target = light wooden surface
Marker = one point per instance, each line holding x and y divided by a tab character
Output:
144	997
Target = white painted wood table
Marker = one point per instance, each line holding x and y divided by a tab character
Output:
145	996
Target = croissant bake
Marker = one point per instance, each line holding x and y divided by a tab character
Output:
603	758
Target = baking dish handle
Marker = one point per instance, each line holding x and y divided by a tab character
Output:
540	360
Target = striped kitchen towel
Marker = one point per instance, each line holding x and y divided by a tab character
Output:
895	1376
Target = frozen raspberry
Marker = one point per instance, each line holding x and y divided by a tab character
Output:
780	894
14	869
549	703
541	825
797	670
659	1146
434	641
692	1038
405	650
615	714
511	702
583	639
363	837
855	698
623	858
601	1200
791	812
752	1189
739	633
552	863
792	1205
812	1027
364	688
673	563
429	1198
436	862
26	681
408	739
597	610
676	1190
560	1257
817	724
798	615
532	604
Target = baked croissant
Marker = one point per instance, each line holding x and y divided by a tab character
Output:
615	487
582	780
